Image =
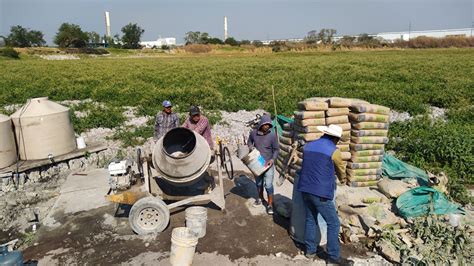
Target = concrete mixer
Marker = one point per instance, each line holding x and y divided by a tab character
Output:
178	165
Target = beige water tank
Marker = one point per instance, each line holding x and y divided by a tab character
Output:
7	142
43	128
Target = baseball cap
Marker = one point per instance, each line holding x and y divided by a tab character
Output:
167	103
194	110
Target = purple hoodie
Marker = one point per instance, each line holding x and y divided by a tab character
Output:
265	143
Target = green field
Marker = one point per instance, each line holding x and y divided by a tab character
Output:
404	80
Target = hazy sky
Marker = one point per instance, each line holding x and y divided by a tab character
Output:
248	19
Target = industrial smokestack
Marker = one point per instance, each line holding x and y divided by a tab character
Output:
225	28
107	24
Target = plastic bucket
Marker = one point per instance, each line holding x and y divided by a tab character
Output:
196	220
255	162
183	246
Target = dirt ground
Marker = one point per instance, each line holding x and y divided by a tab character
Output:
103	236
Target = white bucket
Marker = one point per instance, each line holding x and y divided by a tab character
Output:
81	143
255	162
183	246
196	220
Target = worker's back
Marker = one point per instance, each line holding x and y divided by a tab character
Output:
317	172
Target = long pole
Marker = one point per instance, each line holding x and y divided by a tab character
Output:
276	114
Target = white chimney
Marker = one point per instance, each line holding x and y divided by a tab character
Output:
107	24
225	28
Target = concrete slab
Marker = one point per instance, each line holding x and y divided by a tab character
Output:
80	193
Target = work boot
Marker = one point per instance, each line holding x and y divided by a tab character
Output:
270	205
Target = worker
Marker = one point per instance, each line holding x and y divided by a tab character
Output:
266	143
321	163
200	124
165	120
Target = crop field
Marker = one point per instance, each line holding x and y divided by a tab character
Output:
404	80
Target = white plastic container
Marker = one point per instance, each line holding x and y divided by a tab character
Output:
454	219
183	246
196	220
255	162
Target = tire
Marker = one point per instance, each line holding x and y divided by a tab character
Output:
227	163
149	215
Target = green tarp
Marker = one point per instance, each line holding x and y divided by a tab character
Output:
421	201
393	168
279	121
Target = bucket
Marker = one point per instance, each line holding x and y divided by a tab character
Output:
255	162
196	220
81	143
183	246
242	151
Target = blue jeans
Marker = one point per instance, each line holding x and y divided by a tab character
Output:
266	179
315	205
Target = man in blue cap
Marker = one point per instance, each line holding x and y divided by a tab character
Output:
165	120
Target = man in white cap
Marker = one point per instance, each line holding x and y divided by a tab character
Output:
322	162
165	120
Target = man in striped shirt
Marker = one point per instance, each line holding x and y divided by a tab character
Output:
200	124
165	121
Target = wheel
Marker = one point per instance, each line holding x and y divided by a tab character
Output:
227	163
149	215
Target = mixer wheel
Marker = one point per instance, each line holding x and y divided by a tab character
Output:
149	215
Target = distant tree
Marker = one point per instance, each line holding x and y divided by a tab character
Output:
71	35
197	37
231	41
347	40
364	38
312	37
245	42
257	43
132	34
326	35
93	38
23	37
215	40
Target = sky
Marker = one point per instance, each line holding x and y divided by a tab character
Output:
247	19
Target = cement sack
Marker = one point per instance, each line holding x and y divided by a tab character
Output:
364	184
308	136
318	99
299	161
367	159
345	156
344	141
363	178
343	102
309	114
310	122
393	188
345	126
367	153
342	119
376	165
369	108
285	147
357	196
295	167
337	111
287	134
288	126
367	117
308	129
343	148
285	140
369	125
312	105
369	132
364	172
369	140
363	147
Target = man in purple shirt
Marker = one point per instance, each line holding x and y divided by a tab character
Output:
200	124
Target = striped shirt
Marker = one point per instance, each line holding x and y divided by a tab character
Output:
165	122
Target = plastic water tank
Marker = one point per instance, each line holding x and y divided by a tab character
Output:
7	142
181	156
43	128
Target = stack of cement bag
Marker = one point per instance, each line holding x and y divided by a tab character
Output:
338	114
369	132
286	141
